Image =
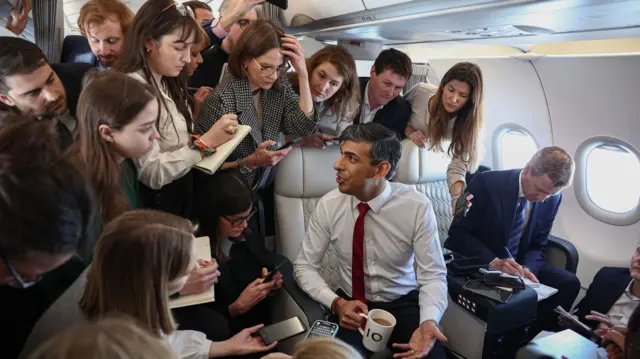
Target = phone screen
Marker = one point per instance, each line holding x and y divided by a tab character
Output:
275	270
496	294
282	330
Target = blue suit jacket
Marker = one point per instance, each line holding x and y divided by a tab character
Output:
484	231
607	286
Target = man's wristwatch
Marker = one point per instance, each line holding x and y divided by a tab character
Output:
243	166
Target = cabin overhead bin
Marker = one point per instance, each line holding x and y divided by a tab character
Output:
496	22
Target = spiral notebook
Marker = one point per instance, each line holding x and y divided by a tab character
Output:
203	251
212	163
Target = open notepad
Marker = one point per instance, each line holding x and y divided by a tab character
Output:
543	291
203	251
212	163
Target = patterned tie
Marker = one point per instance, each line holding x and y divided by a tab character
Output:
518	226
66	138
357	271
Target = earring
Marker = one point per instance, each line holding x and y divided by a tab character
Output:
147	50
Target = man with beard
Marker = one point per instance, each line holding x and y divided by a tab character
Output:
104	23
31	87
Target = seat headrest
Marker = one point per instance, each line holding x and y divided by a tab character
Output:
307	172
421	165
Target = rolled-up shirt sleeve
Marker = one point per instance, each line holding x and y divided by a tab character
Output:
307	266
189	344
157	168
431	271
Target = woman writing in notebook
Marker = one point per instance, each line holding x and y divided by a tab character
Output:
242	294
142	257
450	115
156	50
257	89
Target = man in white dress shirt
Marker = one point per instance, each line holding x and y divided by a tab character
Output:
378	229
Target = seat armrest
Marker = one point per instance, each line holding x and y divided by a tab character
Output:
312	309
567	249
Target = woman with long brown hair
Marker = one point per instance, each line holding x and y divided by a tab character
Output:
450	115
335	90
157	48
142	257
116	116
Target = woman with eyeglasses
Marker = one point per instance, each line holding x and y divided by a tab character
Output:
142	257
257	90
157	48
242	296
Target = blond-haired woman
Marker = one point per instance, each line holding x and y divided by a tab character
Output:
141	258
320	348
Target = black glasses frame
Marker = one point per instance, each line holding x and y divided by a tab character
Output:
235	221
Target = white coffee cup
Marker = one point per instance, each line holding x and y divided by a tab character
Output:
375	334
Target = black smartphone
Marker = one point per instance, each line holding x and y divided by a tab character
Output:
290	143
283	4
275	270
192	90
507	282
282	330
497	294
466	265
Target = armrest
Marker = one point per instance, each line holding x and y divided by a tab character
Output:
567	249
261	220
312	309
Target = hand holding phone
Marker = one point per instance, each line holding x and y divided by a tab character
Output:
275	270
290	143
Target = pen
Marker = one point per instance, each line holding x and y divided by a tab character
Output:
509	254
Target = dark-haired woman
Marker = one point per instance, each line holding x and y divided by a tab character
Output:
157	48
450	115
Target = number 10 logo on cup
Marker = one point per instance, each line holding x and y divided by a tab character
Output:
377	331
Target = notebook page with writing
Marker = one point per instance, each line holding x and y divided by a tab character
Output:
212	163
203	251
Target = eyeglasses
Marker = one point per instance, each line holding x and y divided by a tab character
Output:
268	71
19	282
234	222
182	9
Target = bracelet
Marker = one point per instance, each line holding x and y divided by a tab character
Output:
195	143
334	304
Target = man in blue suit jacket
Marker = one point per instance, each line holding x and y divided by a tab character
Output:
509	222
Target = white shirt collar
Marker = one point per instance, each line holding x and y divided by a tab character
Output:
520	192
376	203
366	99
628	292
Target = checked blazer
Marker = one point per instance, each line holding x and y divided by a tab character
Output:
280	113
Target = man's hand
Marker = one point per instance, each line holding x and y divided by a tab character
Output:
529	275
18	21
508	266
599	317
348	312
422	341
202	278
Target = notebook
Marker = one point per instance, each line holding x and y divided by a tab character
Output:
203	250
543	291
212	163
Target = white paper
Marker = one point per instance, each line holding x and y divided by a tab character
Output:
203	251
212	163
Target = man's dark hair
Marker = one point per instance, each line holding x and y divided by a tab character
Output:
556	163
195	4
385	143
18	57
394	60
46	202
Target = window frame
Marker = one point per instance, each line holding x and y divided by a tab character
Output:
580	182
497	141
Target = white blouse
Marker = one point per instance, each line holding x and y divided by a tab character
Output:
170	157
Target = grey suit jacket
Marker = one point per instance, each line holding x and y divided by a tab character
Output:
280	113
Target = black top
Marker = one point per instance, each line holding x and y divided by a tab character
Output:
606	288
395	115
208	73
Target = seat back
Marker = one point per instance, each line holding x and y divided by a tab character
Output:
75	48
426	170
303	177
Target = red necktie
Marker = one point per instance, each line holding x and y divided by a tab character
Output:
357	270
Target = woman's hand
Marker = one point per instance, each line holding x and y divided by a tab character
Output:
199	97
262	157
599	317
276	282
202	278
317	140
418	138
253	294
235	10
222	131
244	343
17	21
294	51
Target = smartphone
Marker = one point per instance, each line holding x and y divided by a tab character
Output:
192	90
465	265
290	143
500	281
282	330
577	325
275	270
322	328
283	4
484	290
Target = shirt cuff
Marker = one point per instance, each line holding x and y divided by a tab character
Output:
326	297
220	32
430	313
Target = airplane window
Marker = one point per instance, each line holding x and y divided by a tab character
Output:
516	148
612	177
